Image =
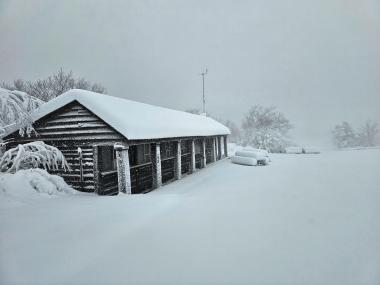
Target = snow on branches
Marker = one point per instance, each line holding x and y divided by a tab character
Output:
15	109
266	128
32	155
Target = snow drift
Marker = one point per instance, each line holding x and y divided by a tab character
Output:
31	182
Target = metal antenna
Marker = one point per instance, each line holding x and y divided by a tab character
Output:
203	90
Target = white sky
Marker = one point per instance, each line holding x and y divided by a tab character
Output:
317	61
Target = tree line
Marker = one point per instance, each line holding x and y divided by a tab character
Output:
50	87
19	98
344	135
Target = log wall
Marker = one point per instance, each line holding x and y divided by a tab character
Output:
68	128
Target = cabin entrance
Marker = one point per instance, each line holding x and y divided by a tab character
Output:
168	155
140	163
106	173
198	153
209	150
185	156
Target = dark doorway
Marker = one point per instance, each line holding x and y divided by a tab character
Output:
185	156
107	176
140	161
198	144
168	153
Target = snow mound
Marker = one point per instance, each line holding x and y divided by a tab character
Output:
31	182
250	161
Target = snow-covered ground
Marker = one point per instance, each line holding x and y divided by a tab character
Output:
304	219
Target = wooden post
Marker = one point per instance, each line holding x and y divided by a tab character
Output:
219	140
177	162
157	176
123	170
192	157
225	146
216	148
213	149
96	169
204	162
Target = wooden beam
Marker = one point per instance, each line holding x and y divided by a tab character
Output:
225	147
157	175
96	168
192	157
177	162
123	170
219	140
213	149
204	161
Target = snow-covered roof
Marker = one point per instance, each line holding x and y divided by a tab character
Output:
136	120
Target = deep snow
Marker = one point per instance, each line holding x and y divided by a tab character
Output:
310	219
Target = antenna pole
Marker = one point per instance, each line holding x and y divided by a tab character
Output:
203	90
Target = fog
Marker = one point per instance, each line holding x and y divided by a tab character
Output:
317	61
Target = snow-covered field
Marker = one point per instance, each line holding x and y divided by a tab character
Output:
304	219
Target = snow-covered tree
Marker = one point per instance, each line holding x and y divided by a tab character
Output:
15	109
32	155
52	86
344	135
368	134
266	128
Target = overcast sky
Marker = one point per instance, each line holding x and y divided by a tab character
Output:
317	61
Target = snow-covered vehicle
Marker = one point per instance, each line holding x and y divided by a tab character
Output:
251	156
261	157
250	161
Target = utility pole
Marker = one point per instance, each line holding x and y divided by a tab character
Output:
203	90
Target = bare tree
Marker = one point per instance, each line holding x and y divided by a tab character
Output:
52	86
368	134
266	128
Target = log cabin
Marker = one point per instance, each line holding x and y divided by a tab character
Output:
116	145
